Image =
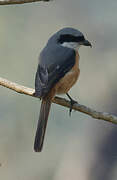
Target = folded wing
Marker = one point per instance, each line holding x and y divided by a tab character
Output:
51	68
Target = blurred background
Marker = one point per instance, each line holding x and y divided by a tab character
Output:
76	147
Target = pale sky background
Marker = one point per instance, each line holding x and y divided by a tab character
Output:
71	143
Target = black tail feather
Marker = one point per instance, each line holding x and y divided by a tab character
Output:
42	123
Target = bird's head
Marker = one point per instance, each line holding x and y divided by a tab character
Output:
71	38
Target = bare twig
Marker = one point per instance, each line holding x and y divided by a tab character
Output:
61	101
8	2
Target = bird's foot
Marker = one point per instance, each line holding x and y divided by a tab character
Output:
72	102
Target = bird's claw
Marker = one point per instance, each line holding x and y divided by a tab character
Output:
72	102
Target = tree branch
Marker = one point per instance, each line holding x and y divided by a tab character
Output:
10	2
61	101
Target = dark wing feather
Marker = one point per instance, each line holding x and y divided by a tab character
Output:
49	74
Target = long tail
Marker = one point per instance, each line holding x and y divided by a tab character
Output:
42	123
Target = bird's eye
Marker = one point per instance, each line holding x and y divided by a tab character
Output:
67	38
70	38
80	38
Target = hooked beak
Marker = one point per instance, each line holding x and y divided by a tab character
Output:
86	43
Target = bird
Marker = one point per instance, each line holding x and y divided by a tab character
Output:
57	71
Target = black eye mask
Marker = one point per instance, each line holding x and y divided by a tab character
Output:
70	38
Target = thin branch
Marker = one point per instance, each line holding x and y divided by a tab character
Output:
10	2
61	101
